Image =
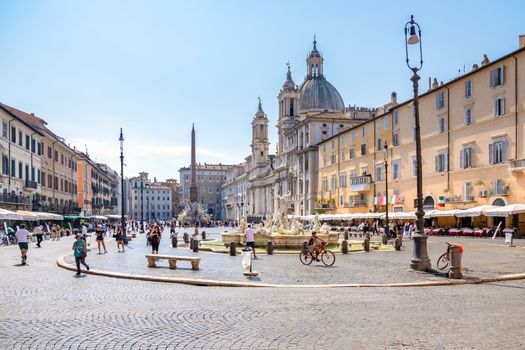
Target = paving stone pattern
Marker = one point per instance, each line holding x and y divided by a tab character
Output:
46	307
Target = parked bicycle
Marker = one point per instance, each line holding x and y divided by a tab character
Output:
444	260
325	255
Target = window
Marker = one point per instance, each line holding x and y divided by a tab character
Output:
467	191
468	89
497	76
385	122
379	173
325	184
363	131
324	161
343	156
56	156
396	119
43	178
468	116
20	137
333	143
414	166
324	147
379	144
5	165
395	139
442	125
333	182
49	152
363	149
4	129
13	168
352	173
342	139
341	200
20	170
364	170
13	134
378	125
499	106
352	153
465	157
332	159
440	100
498	152
342	180
352	137
441	161
396	169
27	142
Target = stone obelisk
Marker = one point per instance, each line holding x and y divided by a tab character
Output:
193	185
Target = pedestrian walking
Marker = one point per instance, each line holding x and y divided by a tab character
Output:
250	239
154	236
80	253
119	237
39	232
22	236
100	239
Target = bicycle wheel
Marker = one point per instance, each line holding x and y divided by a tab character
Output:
306	258
328	258
442	262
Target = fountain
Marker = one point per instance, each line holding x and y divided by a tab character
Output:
192	213
282	231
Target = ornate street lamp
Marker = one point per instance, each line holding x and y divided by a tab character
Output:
387	227
420	260
122	209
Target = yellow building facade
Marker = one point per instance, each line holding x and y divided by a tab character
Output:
473	150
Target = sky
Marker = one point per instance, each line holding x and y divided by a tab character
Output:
155	67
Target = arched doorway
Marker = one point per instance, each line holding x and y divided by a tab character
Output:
428	203
499	219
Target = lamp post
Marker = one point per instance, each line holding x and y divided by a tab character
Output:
387	227
420	260
122	209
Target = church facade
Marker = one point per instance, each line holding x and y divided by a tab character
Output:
309	113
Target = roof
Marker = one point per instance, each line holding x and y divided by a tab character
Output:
206	166
317	94
30	120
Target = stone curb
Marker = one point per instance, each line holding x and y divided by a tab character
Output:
61	262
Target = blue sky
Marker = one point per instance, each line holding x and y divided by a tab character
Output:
155	67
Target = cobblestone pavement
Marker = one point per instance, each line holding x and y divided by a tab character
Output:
388	266
45	307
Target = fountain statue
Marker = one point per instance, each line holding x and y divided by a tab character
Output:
243	225
192	212
316	227
325	229
297	227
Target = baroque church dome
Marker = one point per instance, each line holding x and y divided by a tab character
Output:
317	94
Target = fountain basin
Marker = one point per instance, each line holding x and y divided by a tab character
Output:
279	241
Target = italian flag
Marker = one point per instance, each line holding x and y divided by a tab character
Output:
394	199
441	201
379	200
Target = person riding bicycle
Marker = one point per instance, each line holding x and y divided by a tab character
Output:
313	245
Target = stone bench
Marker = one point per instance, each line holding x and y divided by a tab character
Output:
172	260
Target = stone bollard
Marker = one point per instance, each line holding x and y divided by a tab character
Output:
191	243
195	246
174	241
345	235
186	237
344	247
366	244
398	243
269	247
384	239
305	246
233	249
455	263
203	235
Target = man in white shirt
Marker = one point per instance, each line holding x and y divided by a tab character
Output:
38	231
250	239
22	236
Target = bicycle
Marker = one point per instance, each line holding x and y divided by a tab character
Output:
326	256
444	260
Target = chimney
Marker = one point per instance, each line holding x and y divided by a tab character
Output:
522	41
393	98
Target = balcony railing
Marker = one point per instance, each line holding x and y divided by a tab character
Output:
360	183
359	203
517	166
31	184
14	199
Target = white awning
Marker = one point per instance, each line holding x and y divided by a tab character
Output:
9	215
506	210
475	211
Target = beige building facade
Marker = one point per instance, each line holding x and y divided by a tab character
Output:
473	151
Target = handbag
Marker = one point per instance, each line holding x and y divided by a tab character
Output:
83	254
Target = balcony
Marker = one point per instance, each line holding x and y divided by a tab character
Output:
459	199
517	166
14	199
31	184
360	183
359	203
